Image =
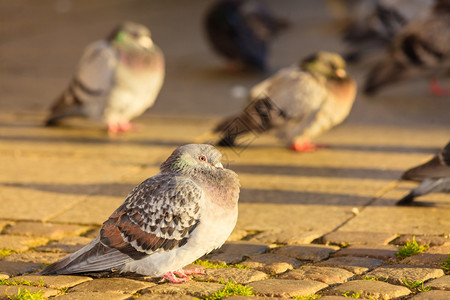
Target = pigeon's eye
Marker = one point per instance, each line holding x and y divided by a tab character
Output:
202	158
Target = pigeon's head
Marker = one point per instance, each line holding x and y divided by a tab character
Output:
202	158
132	35
327	65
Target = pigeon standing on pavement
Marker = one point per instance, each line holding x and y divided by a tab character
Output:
168	221
434	176
421	48
297	103
241	30
117	79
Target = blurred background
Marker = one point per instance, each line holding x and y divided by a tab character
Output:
42	41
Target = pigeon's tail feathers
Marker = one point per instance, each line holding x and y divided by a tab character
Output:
406	200
385	73
67	105
257	117
93	257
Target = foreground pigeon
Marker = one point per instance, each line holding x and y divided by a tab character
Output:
297	103
167	221
240	30
421	49
434	176
117	80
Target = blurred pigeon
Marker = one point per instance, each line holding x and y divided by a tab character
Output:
167	221
375	23
240	30
434	176
117	79
298	103
422	48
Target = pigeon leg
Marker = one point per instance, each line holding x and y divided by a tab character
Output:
113	128
127	126
437	89
303	146
185	273
170	276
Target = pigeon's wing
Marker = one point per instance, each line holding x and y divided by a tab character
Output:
160	214
297	98
92	82
437	167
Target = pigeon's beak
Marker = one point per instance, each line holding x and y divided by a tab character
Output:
145	42
218	165
341	73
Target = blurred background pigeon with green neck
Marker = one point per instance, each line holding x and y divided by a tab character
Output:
117	79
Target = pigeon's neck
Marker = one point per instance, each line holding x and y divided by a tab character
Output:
222	186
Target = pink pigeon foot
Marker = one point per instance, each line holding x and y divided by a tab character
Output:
127	126
180	276
305	146
113	128
437	89
170	276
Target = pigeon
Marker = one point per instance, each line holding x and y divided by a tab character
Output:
240	31
421	48
168	221
117	79
297	103
434	176
375	23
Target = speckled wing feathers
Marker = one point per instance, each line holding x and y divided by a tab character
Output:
158	215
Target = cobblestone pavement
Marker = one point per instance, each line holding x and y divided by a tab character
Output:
314	224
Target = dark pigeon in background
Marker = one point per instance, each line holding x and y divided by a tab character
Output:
421	49
434	176
117	79
240	31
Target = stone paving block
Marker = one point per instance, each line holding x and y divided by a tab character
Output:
333	298
67	244
235	252
93	210
112	285
286	288
287	236
272	263
237	235
397	273
36	257
12	290
164	297
20	243
326	275
3	276
430	240
402	220
193	288
52	231
54	282
40	206
311	252
241	276
369	288
431	257
354	264
384	252
250	298
442	283
432	295
93	296
3	224
14	268
358	238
